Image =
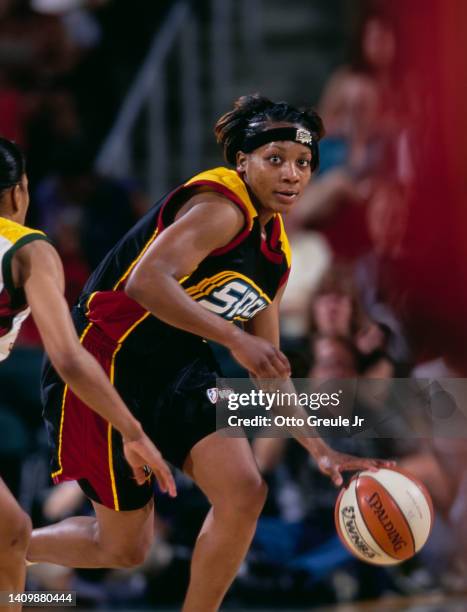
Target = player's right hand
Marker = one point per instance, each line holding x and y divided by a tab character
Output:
141	454
332	464
260	357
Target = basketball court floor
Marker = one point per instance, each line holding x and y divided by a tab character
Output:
422	603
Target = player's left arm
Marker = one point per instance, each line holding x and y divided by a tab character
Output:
37	268
330	462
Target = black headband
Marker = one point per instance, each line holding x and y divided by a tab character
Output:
300	135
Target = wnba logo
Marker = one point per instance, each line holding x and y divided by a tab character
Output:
350	526
214	394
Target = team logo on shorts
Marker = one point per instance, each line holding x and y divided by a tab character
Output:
212	394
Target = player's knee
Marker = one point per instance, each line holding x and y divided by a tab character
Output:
18	533
129	556
250	497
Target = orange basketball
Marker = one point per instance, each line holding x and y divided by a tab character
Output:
384	517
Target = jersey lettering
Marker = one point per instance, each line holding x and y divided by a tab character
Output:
235	300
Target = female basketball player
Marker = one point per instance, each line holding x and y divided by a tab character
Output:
211	252
31	275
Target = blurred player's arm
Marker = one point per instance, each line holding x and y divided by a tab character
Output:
36	267
330	462
268	452
210	222
323	197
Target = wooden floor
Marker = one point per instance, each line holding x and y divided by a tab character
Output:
428	603
432	603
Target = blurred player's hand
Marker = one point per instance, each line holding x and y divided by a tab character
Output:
332	463
143	456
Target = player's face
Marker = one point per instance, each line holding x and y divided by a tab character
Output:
333	314
277	173
332	360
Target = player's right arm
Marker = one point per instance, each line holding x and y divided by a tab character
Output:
37	268
210	222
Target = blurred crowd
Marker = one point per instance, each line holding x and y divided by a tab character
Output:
349	310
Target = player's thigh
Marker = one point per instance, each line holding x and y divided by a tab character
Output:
226	471
125	532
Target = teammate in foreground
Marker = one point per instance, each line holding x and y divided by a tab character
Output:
211	252
31	275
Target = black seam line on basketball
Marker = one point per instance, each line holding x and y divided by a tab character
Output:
366	524
402	514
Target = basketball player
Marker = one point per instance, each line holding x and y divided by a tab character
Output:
211	252
31	275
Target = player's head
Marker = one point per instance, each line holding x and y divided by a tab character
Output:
333	357
14	196
273	145
334	308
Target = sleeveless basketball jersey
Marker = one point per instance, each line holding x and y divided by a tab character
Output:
236	281
13	306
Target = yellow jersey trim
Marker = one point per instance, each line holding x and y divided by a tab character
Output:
136	260
62	416
206	286
230	180
109	429
12	231
285	244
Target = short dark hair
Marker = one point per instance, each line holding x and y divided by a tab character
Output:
252	113
12	164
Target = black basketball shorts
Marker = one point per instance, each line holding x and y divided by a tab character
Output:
172	405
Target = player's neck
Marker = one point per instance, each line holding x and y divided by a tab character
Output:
264	217
16	217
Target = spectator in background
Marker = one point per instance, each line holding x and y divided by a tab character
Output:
334	308
353	152
379	271
288	542
34	47
363	141
366	113
91	211
13	110
333	357
77	17
57	122
375	53
441	464
336	311
38	57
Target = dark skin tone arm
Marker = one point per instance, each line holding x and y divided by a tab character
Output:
330	462
207	222
204	223
37	268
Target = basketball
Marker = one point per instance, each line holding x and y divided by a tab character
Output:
384	517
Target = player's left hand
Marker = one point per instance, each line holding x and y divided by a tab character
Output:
333	463
141	454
